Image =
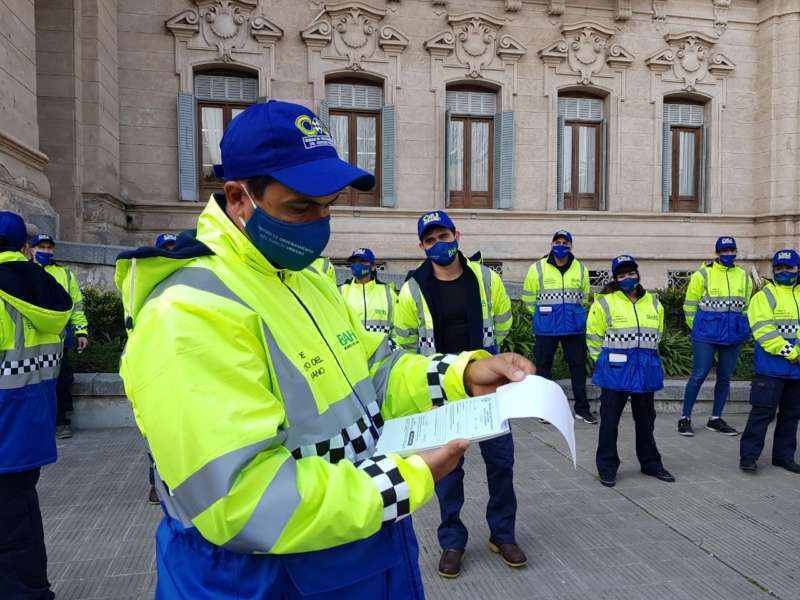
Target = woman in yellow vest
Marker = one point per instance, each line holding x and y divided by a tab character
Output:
623	331
371	300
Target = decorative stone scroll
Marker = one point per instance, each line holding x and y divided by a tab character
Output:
690	57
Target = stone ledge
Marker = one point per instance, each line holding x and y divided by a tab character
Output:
91	254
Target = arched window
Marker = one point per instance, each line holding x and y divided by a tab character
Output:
683	156
220	97
581	152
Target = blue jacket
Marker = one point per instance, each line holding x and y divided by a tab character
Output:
557	300
774	316
716	304
34	309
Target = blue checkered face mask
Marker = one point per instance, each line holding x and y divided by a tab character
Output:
292	246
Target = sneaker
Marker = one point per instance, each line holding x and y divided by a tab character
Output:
748	464
685	427
587	417
63	432
720	426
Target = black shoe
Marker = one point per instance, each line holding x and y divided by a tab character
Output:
587	417
661	474
720	426
685	427
608	480
63	432
450	563
789	465
748	464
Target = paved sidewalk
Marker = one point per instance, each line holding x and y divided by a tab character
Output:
716	534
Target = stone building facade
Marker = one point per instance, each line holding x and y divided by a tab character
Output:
642	126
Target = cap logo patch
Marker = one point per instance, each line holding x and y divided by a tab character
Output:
315	133
624	259
359	251
431	218
784	255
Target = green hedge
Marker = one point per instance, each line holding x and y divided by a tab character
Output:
108	335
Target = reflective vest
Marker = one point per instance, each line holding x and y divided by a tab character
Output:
558	302
623	339
78	324
30	355
373	303
774	316
413	324
325	267
716	304
262	398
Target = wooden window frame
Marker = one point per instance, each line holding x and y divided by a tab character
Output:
209	187
678	203
352	196
466	198
583	201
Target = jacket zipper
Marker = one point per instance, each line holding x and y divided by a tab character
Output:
364	294
728	281
373	428
638	327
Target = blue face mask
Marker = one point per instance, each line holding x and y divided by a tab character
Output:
727	260
292	246
43	258
443	253
629	284
786	277
560	251
360	270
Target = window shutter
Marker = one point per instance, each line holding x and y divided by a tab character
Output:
666	166
603	158
560	162
477	104
323	113
388	134
187	148
580	109
503	160
684	115
446	156
225	88
354	96
704	146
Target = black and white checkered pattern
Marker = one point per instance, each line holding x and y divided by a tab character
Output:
632	337
378	328
559	296
424	343
787	349
355	442
787	329
436	372
29	365
735	305
391	485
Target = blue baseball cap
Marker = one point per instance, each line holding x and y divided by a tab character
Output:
787	257
434	218
364	254
164	239
289	143
725	243
563	233
12	231
623	264
42	237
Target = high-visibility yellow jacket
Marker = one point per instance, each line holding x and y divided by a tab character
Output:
774	316
33	312
373	303
77	319
261	397
716	304
558	302
623	338
324	266
413	323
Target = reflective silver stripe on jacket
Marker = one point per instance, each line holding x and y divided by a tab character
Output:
21	366
709	303
622	338
488	321
773	303
425	339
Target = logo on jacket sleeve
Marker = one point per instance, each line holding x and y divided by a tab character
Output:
347	339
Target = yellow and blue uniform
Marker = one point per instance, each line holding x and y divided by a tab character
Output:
716	304
557	300
262	408
325	267
373	303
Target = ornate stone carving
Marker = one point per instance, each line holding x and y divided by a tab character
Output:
691	58
660	14
441	44
624	10
556	7
513	5
721	8
586	48
354	33
510	49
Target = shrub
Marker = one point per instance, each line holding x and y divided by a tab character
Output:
107	333
676	354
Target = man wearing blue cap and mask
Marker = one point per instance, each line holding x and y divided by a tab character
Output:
372	301
451	304
774	319
166	241
716	312
262	396
76	335
556	292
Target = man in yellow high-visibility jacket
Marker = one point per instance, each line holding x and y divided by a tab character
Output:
451	304
262	397
371	300
76	335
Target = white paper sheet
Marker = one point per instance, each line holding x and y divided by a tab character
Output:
481	418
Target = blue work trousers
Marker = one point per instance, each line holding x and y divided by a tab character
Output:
703	361
501	510
768	396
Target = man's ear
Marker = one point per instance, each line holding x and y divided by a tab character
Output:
421	247
457	235
237	203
